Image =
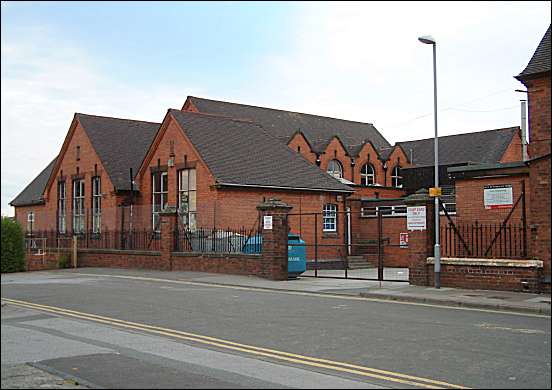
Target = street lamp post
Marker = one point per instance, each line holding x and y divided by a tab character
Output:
428	39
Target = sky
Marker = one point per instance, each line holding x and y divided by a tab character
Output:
356	61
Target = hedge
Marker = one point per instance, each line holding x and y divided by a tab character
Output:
13	246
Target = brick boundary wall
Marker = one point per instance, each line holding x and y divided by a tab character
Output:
238	264
48	261
250	264
271	264
475	274
486	274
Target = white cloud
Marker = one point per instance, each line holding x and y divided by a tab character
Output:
362	61
45	81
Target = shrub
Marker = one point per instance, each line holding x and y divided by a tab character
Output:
63	260
13	246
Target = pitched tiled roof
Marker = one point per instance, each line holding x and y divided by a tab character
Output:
32	194
318	130
242	153
121	144
540	62
480	147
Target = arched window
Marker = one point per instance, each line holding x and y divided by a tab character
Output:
396	178
367	175
335	169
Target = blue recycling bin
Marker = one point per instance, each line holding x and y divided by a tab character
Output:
297	254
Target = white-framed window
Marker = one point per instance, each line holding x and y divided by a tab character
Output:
160	184
96	204
367	175
62	225
329	218
335	169
450	207
78	206
386	211
396	178
30	221
187	198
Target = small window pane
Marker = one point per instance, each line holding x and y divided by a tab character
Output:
192	179
192	203
184	180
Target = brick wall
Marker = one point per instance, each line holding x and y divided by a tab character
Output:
50	260
42	218
470	205
514	151
393	254
539	115
67	168
539	99
231	264
299	144
488	277
539	215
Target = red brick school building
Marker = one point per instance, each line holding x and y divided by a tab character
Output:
214	162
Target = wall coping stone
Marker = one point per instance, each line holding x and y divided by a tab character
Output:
120	251
488	262
217	255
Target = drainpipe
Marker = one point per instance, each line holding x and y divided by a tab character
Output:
524	130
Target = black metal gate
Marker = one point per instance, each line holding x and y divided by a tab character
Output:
347	245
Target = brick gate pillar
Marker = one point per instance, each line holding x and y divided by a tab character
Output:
274	262
168	220
420	242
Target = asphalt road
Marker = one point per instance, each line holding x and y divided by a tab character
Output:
389	344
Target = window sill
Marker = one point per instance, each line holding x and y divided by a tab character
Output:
330	235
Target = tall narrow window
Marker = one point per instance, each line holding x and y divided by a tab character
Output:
335	169
329	218
78	206
187	197
96	204
78	153
62	225
396	178
30	222
159	196
367	175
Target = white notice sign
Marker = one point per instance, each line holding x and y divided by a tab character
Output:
267	222
416	218
498	196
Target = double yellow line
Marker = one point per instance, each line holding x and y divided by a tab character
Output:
249	349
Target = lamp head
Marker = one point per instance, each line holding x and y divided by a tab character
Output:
427	39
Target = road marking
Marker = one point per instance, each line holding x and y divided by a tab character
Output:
513	330
315	294
259	351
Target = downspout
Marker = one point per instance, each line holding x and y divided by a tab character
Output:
525	156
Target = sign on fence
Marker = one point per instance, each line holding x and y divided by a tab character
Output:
416	218
403	240
498	196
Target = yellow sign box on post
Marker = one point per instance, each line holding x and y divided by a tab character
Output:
435	192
